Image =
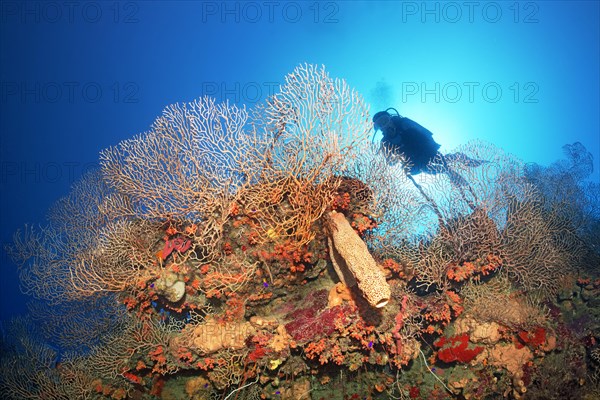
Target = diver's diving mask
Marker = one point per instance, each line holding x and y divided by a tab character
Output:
381	120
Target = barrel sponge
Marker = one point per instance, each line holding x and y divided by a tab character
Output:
351	259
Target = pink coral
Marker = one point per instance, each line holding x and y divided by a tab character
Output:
399	324
314	319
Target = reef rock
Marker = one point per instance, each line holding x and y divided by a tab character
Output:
479	332
170	287
211	336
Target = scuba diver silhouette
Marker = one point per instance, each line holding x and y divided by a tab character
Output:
403	136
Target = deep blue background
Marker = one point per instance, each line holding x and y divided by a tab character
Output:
77	77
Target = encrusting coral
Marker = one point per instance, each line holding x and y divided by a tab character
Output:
338	294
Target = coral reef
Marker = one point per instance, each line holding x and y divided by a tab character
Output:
275	254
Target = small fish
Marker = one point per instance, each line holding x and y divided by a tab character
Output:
154	304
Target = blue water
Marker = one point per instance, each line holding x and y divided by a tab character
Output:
77	77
